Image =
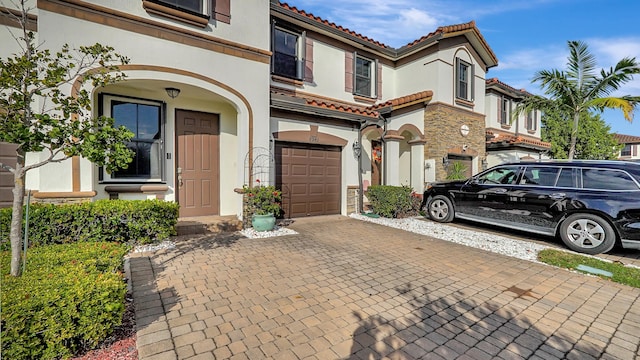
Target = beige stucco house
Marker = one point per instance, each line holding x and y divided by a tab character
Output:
224	93
631	149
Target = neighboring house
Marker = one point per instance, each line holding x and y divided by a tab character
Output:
225	93
631	149
509	138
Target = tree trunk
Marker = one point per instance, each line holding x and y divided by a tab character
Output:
574	135
16	218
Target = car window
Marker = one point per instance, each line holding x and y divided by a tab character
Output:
605	179
501	175
566	178
539	176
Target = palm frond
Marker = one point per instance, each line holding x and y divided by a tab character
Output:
581	65
627	106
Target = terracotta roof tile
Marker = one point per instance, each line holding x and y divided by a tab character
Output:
323	103
331	24
496	81
627	139
496	137
422	95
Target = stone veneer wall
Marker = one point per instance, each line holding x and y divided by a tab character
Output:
442	131
352	199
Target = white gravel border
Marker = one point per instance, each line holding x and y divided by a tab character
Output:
495	243
277	231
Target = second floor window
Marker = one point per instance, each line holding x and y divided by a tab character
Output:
286	54
505	111
626	150
464	77
532	120
364	79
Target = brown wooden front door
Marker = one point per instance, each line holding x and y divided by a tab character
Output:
309	177
198	166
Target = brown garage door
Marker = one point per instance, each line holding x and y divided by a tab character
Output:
7	156
309	177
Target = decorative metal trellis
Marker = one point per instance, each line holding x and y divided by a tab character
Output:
258	163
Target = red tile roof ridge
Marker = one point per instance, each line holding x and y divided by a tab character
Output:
444	29
497	81
503	136
309	15
321	103
627	139
425	94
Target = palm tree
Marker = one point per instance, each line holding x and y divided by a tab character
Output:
581	89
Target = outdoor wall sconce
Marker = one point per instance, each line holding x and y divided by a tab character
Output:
172	92
485	164
357	148
445	161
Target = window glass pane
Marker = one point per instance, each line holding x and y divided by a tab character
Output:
607	180
285	55
502	175
541	176
148	122
566	178
363	76
463	80
626	151
124	114
144	121
192	5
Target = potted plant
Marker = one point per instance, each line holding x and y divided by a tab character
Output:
263	203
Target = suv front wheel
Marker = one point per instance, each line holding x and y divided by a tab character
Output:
587	233
440	209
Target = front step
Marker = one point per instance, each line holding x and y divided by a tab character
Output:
208	225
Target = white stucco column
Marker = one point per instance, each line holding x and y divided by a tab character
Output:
390	160
417	165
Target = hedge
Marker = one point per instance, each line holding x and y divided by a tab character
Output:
70	298
393	201
125	221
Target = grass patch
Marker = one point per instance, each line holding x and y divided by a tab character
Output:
621	274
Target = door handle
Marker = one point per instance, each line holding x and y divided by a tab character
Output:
499	191
557	196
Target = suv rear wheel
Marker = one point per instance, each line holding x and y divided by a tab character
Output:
587	233
440	209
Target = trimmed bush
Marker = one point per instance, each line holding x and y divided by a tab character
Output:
70	298
126	221
393	201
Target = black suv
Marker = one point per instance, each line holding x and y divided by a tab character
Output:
592	205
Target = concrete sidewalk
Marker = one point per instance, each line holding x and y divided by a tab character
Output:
346	289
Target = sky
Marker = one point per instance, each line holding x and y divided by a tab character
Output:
526	35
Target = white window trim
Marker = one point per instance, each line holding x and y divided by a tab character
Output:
470	93
300	50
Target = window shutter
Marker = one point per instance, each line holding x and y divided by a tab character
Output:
634	149
348	72
499	110
379	80
472	82
222	10
308	59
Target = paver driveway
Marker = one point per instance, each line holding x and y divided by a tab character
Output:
345	289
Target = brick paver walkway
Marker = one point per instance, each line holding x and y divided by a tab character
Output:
345	289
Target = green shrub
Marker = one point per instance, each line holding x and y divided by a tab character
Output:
70	298
393	201
132	222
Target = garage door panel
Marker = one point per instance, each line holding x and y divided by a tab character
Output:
309	176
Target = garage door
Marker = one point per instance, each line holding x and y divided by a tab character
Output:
309	177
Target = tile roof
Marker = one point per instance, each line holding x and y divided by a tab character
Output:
326	104
498	83
627	139
502	137
369	111
440	31
419	96
331	24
